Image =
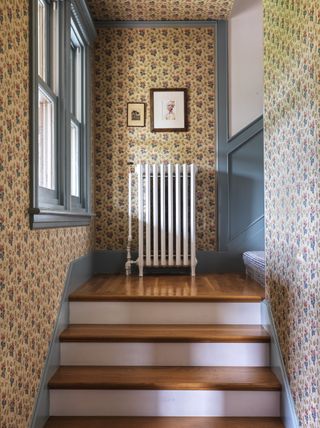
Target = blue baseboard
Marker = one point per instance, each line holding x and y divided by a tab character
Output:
113	262
80	270
288	412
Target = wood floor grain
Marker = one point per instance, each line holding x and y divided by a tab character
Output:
164	333
206	288
166	378
163	422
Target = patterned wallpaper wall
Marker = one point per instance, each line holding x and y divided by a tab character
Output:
33	264
128	63
156	10
292	179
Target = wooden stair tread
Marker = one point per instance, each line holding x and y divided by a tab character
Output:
203	288
161	422
165	378
164	333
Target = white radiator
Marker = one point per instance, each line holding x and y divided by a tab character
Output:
166	216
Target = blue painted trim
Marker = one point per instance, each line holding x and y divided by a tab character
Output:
80	270
222	125
113	262
254	223
288	412
219	262
154	24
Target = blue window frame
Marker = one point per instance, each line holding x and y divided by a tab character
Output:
62	37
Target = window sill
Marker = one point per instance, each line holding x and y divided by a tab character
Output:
49	219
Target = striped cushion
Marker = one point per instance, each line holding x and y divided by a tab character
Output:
255	265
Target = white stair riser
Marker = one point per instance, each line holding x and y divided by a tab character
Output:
164	313
164	403
165	354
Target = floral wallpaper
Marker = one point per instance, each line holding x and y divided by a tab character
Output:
128	63
33	264
155	10
292	179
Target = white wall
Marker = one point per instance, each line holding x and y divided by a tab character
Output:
245	64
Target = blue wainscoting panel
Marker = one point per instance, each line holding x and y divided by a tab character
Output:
241	190
245	184
113	262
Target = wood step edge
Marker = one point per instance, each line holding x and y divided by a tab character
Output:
165	378
161	422
165	333
74	297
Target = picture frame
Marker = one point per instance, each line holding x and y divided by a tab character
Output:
136	114
168	109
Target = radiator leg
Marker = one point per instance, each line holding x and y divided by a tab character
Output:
128	267
140	269
193	268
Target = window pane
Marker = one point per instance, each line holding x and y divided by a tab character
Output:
75	160
47	150
76	79
79	89
73	79
54	56
42	40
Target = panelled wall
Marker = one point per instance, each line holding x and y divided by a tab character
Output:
240	181
129	62
292	180
33	264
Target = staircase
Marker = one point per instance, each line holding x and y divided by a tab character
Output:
164	352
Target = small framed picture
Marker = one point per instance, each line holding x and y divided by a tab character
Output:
136	114
168	110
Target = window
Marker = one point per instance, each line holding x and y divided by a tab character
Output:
47	102
63	33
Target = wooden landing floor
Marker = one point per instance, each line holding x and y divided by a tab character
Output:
206	288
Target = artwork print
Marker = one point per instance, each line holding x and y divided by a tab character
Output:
168	110
136	114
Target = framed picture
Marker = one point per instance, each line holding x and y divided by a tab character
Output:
136	114
168	110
